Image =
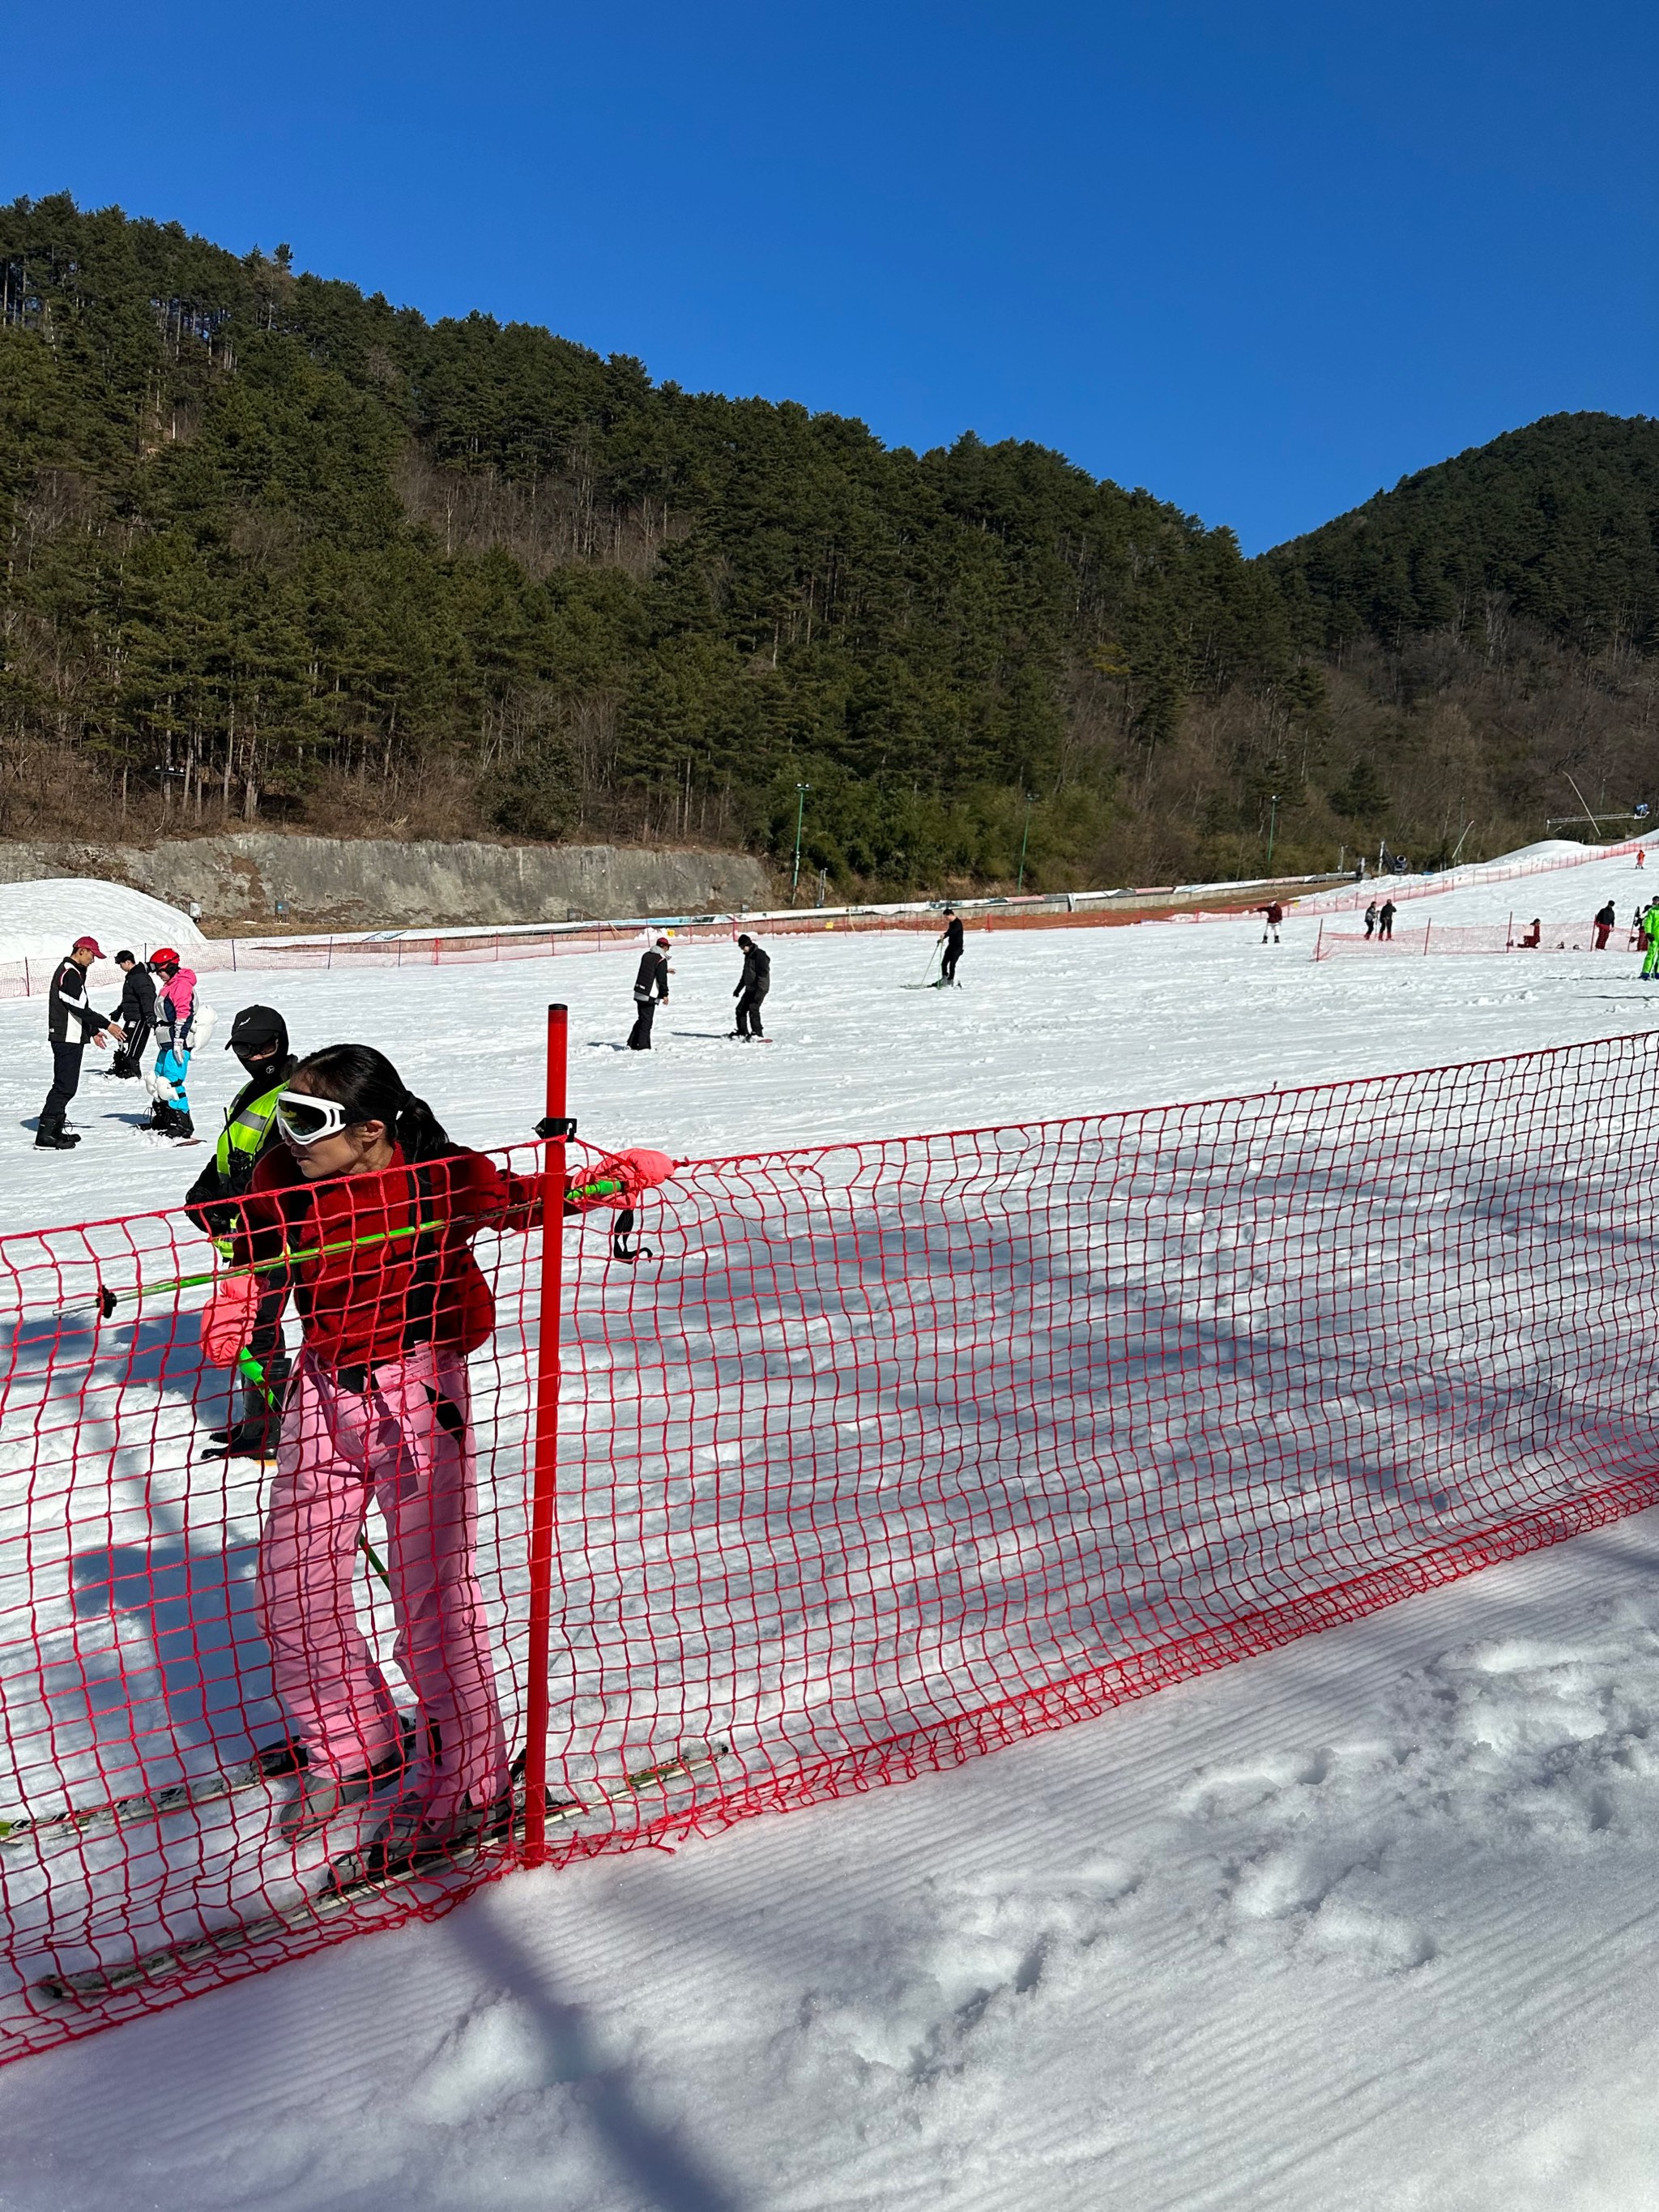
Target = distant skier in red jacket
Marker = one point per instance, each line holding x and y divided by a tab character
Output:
1273	914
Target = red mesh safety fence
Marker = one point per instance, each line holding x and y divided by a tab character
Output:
875	1455
26	979
1420	940
1453	880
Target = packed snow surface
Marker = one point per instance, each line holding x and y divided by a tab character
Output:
1367	1922
41	920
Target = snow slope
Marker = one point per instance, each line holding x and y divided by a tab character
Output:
41	920
1049	1022
1367	1922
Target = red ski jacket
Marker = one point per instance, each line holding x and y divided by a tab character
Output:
383	1259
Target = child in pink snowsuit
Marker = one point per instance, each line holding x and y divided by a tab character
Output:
378	1404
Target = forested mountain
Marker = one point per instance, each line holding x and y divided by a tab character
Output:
1557	524
276	550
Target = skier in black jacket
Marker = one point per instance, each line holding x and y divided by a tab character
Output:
950	938
69	1021
259	1037
650	985
136	1013
752	987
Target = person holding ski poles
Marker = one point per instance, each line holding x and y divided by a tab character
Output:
753	985
650	986
136	1014
259	1037
950	938
367	1210
70	1020
1272	914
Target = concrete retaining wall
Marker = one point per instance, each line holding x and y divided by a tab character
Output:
375	883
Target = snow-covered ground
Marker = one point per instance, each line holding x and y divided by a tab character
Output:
1367	1922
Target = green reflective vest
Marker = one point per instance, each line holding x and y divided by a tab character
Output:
243	1134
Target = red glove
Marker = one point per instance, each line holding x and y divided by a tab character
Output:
228	1320
635	1170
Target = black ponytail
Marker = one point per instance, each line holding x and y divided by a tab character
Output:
364	1081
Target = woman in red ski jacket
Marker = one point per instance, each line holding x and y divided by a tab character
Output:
373	1211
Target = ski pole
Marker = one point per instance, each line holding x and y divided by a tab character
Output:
107	1300
252	1370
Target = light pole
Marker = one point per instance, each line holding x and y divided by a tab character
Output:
1030	801
1272	826
801	790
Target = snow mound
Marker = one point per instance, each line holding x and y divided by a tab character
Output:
41	920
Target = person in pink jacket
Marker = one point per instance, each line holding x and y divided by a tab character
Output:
175	1009
365	1214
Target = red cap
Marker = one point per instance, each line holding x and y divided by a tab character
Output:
164	957
663	944
88	944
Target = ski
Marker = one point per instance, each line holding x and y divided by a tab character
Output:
154	1805
168	1961
132	1812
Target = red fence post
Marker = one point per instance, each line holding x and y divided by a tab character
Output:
544	1478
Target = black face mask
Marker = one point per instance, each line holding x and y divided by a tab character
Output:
256	1064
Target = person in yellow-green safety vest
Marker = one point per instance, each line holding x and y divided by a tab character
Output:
259	1037
1650	928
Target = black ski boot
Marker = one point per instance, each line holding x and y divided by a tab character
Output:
258	1431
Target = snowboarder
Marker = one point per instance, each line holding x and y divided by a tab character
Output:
1371	918
259	1037
136	1014
1534	938
1273	914
950	938
175	1022
1604	925
70	1020
650	988
1385	922
752	987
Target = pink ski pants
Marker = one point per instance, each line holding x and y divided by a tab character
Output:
406	1436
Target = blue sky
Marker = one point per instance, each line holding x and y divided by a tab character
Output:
1259	257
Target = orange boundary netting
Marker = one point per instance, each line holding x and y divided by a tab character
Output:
1424	941
879	1455
1474	873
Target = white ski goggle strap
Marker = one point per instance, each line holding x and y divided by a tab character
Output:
303	1119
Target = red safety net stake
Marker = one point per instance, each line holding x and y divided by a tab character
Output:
545	1473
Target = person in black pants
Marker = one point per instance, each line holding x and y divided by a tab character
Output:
650	986
950	938
69	1021
1385	923
259	1037
752	987
136	1013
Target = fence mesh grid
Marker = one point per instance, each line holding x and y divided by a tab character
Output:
888	1452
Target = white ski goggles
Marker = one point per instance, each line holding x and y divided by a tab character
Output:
304	1119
